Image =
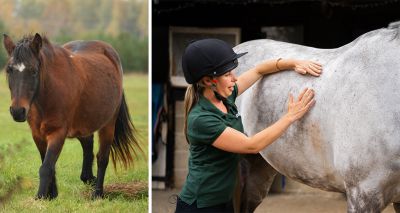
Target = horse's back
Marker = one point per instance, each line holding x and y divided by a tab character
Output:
351	134
94	50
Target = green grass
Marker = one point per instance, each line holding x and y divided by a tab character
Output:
20	162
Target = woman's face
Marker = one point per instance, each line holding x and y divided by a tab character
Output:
225	84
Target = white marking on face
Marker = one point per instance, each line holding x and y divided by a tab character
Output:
20	67
71	56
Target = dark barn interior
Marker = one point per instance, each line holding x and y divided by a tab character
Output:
324	24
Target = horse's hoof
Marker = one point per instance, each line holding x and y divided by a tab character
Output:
42	197
97	195
52	194
39	197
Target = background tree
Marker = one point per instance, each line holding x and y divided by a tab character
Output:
123	23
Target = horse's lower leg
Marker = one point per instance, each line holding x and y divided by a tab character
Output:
88	156
42	146
47	186
257	176
106	137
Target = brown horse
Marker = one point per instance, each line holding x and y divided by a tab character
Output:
70	91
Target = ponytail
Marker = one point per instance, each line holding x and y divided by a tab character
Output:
191	98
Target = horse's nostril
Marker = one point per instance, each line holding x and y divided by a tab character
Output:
18	113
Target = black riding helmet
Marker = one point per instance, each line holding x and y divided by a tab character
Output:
208	57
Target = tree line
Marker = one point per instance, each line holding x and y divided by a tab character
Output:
122	23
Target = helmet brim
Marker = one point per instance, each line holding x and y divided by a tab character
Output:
232	64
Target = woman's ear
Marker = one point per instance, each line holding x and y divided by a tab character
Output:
207	81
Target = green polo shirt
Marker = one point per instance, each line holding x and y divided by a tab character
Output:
212	172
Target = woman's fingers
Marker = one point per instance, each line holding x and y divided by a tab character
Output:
290	98
300	70
309	105
313	72
316	65
302	94
314	69
308	96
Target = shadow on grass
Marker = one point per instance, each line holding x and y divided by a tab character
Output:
14	187
16	184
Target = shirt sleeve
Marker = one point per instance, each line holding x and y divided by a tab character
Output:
205	129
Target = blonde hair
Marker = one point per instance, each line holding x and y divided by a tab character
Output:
191	98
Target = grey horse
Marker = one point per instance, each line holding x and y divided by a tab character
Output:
350	140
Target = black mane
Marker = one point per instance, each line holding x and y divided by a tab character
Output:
22	51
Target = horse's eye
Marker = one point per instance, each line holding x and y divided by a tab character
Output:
35	73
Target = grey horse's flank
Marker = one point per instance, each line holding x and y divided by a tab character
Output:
350	140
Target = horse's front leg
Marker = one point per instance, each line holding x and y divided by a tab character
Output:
106	138
48	186
88	156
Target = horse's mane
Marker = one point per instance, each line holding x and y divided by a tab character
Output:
22	45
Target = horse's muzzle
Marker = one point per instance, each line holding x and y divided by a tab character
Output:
18	113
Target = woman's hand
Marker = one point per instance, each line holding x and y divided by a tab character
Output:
297	109
303	67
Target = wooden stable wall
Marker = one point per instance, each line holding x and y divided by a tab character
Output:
181	152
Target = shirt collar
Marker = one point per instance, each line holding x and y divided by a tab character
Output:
207	105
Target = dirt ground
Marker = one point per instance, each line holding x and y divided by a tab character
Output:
313	201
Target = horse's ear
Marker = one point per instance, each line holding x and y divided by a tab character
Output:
36	44
8	44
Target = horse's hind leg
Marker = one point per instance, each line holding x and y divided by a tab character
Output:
106	137
257	176
87	172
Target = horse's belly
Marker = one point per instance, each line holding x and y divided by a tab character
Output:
311	167
96	111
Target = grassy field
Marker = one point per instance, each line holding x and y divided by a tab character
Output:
126	190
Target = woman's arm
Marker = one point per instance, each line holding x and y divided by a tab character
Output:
270	66
232	140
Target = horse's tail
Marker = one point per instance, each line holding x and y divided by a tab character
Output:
125	138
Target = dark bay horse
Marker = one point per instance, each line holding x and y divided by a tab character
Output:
70	91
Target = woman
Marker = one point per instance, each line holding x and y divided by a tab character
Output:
213	126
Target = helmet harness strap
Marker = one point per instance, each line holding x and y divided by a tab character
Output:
214	89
